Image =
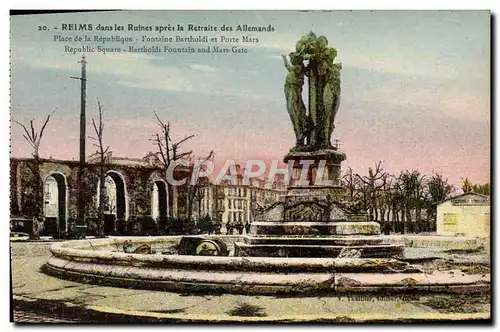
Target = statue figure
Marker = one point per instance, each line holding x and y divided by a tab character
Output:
293	94
315	59
332	100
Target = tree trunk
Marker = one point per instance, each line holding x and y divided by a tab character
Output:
389	220
395	220
167	193
175	195
374	206
38	193
418	217
102	198
404	220
408	220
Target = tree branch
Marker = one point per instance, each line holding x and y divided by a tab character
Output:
28	137
184	139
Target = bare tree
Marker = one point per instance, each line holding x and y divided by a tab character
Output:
438	189
390	206
169	152
371	185
101	153
350	181
466	186
483	189
411	188
383	198
396	201
34	138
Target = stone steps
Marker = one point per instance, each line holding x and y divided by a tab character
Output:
333	240
313	250
285	228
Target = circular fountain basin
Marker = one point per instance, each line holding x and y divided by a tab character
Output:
104	261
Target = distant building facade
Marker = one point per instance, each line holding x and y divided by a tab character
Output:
467	214
237	202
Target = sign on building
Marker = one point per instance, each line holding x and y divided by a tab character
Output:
450	222
465	201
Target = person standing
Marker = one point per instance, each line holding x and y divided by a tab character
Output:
217	227
229	228
239	227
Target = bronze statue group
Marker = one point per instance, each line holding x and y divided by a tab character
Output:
314	59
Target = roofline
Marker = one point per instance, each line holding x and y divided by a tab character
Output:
76	162
467	193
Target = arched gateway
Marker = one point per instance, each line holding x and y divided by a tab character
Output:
115	201
55	205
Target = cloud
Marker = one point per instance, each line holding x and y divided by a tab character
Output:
437	102
142	71
138	71
201	67
277	57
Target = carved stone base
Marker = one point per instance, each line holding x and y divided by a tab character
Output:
315	193
315	228
302	240
357	239
312	204
310	220
314	250
323	170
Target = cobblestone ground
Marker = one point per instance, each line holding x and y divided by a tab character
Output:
25	317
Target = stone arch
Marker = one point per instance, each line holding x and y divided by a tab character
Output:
159	199
55	200
122	210
121	202
155	177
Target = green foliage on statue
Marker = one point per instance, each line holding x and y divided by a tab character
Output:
314	59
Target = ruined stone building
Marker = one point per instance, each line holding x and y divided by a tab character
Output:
135	187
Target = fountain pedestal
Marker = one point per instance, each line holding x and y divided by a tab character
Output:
310	220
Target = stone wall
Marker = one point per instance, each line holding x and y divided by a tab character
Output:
138	183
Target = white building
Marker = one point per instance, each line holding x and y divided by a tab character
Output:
234	203
467	214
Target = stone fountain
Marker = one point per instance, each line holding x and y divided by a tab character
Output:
307	243
311	220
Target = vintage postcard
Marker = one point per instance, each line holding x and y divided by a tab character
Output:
250	166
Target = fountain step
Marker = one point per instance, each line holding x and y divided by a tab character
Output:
287	250
80	261
265	283
315	228
322	240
